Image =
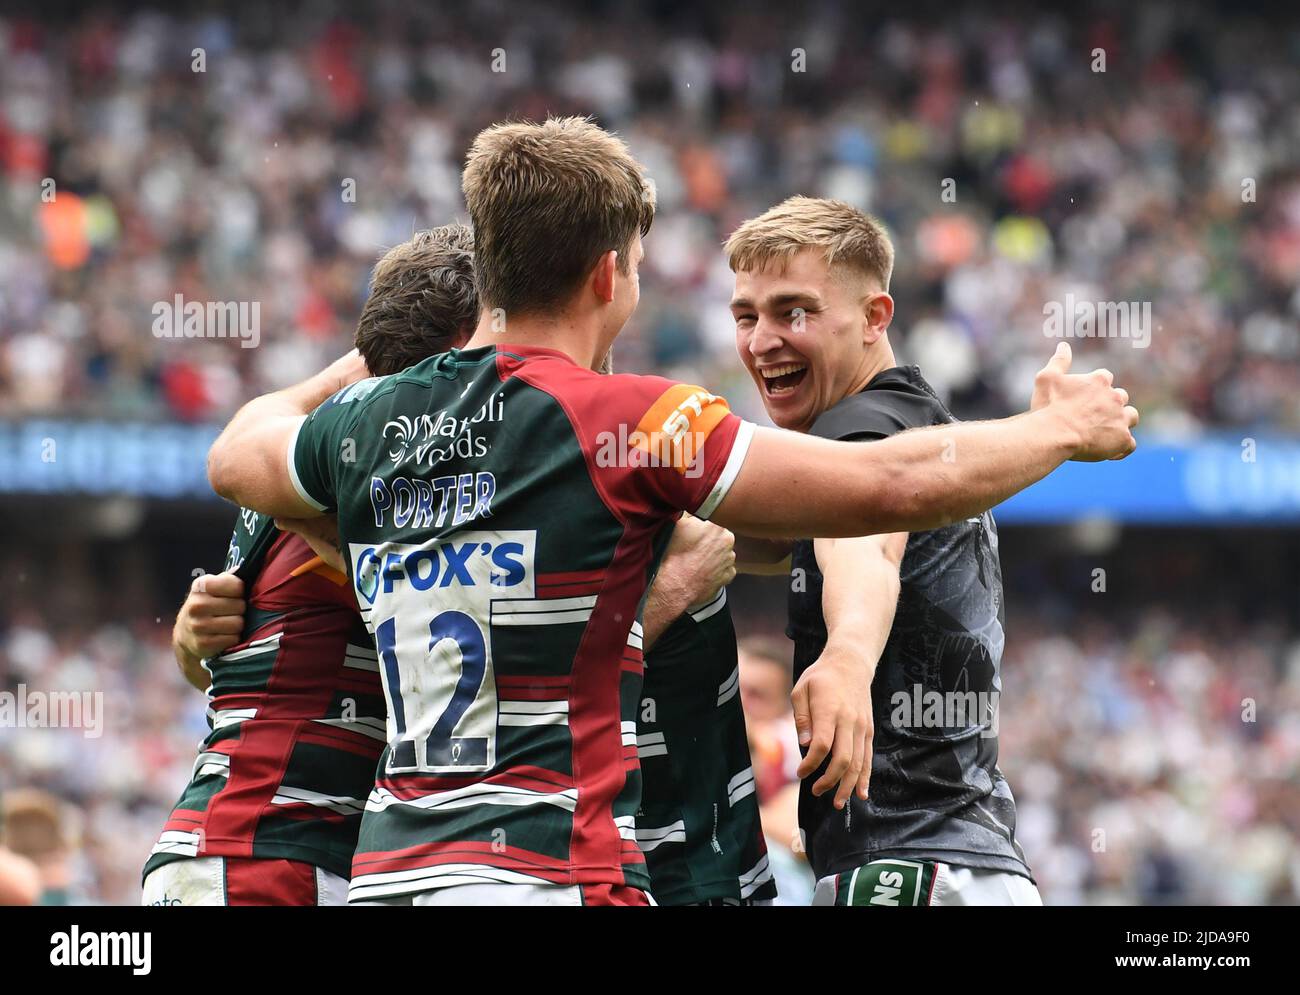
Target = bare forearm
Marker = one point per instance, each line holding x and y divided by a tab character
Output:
250	452
917	480
858	603
951	472
663	606
191	667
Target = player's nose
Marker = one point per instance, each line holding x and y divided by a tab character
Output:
764	339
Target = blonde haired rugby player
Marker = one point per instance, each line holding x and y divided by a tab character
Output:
502	576
885	624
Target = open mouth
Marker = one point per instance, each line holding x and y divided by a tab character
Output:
778	380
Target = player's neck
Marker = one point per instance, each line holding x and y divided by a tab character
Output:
879	359
559	333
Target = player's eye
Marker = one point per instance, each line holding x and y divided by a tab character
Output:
744	320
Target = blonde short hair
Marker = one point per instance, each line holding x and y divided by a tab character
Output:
846	235
547	201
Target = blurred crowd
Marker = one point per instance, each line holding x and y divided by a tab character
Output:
1128	153
1157	764
1161	765
269	153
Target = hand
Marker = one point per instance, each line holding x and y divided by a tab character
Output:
322	535
345	370
699	562
832	714
212	618
1090	405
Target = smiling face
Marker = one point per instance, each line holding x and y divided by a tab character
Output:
809	334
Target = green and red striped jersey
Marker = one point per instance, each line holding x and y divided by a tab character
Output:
699	824
296	713
502	512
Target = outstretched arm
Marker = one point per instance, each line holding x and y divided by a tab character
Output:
248	464
792	484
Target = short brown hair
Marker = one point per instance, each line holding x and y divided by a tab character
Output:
547	201
845	234
422	300
34	824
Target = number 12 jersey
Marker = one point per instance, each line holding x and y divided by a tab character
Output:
498	508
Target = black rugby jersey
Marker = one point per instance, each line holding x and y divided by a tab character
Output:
936	792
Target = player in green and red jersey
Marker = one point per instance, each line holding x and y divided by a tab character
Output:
513	754
698	824
502	510
713	852
272	809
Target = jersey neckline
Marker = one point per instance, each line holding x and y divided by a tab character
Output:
521	351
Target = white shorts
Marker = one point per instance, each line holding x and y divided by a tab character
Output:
243	881
520	894
927	882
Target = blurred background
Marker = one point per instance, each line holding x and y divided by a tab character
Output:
228	152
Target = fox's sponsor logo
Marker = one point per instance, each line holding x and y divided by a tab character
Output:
249	520
495	560
95	949
430	608
428	440
413	502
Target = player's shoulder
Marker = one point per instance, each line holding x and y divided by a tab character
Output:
608	395
343	406
442	367
895	400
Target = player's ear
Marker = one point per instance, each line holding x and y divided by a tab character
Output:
604	275
877	313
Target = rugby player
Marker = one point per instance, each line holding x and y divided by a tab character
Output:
887	624
703	839
502	506
271	812
698	823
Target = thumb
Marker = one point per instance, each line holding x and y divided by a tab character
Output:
225	585
1061	359
802	714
